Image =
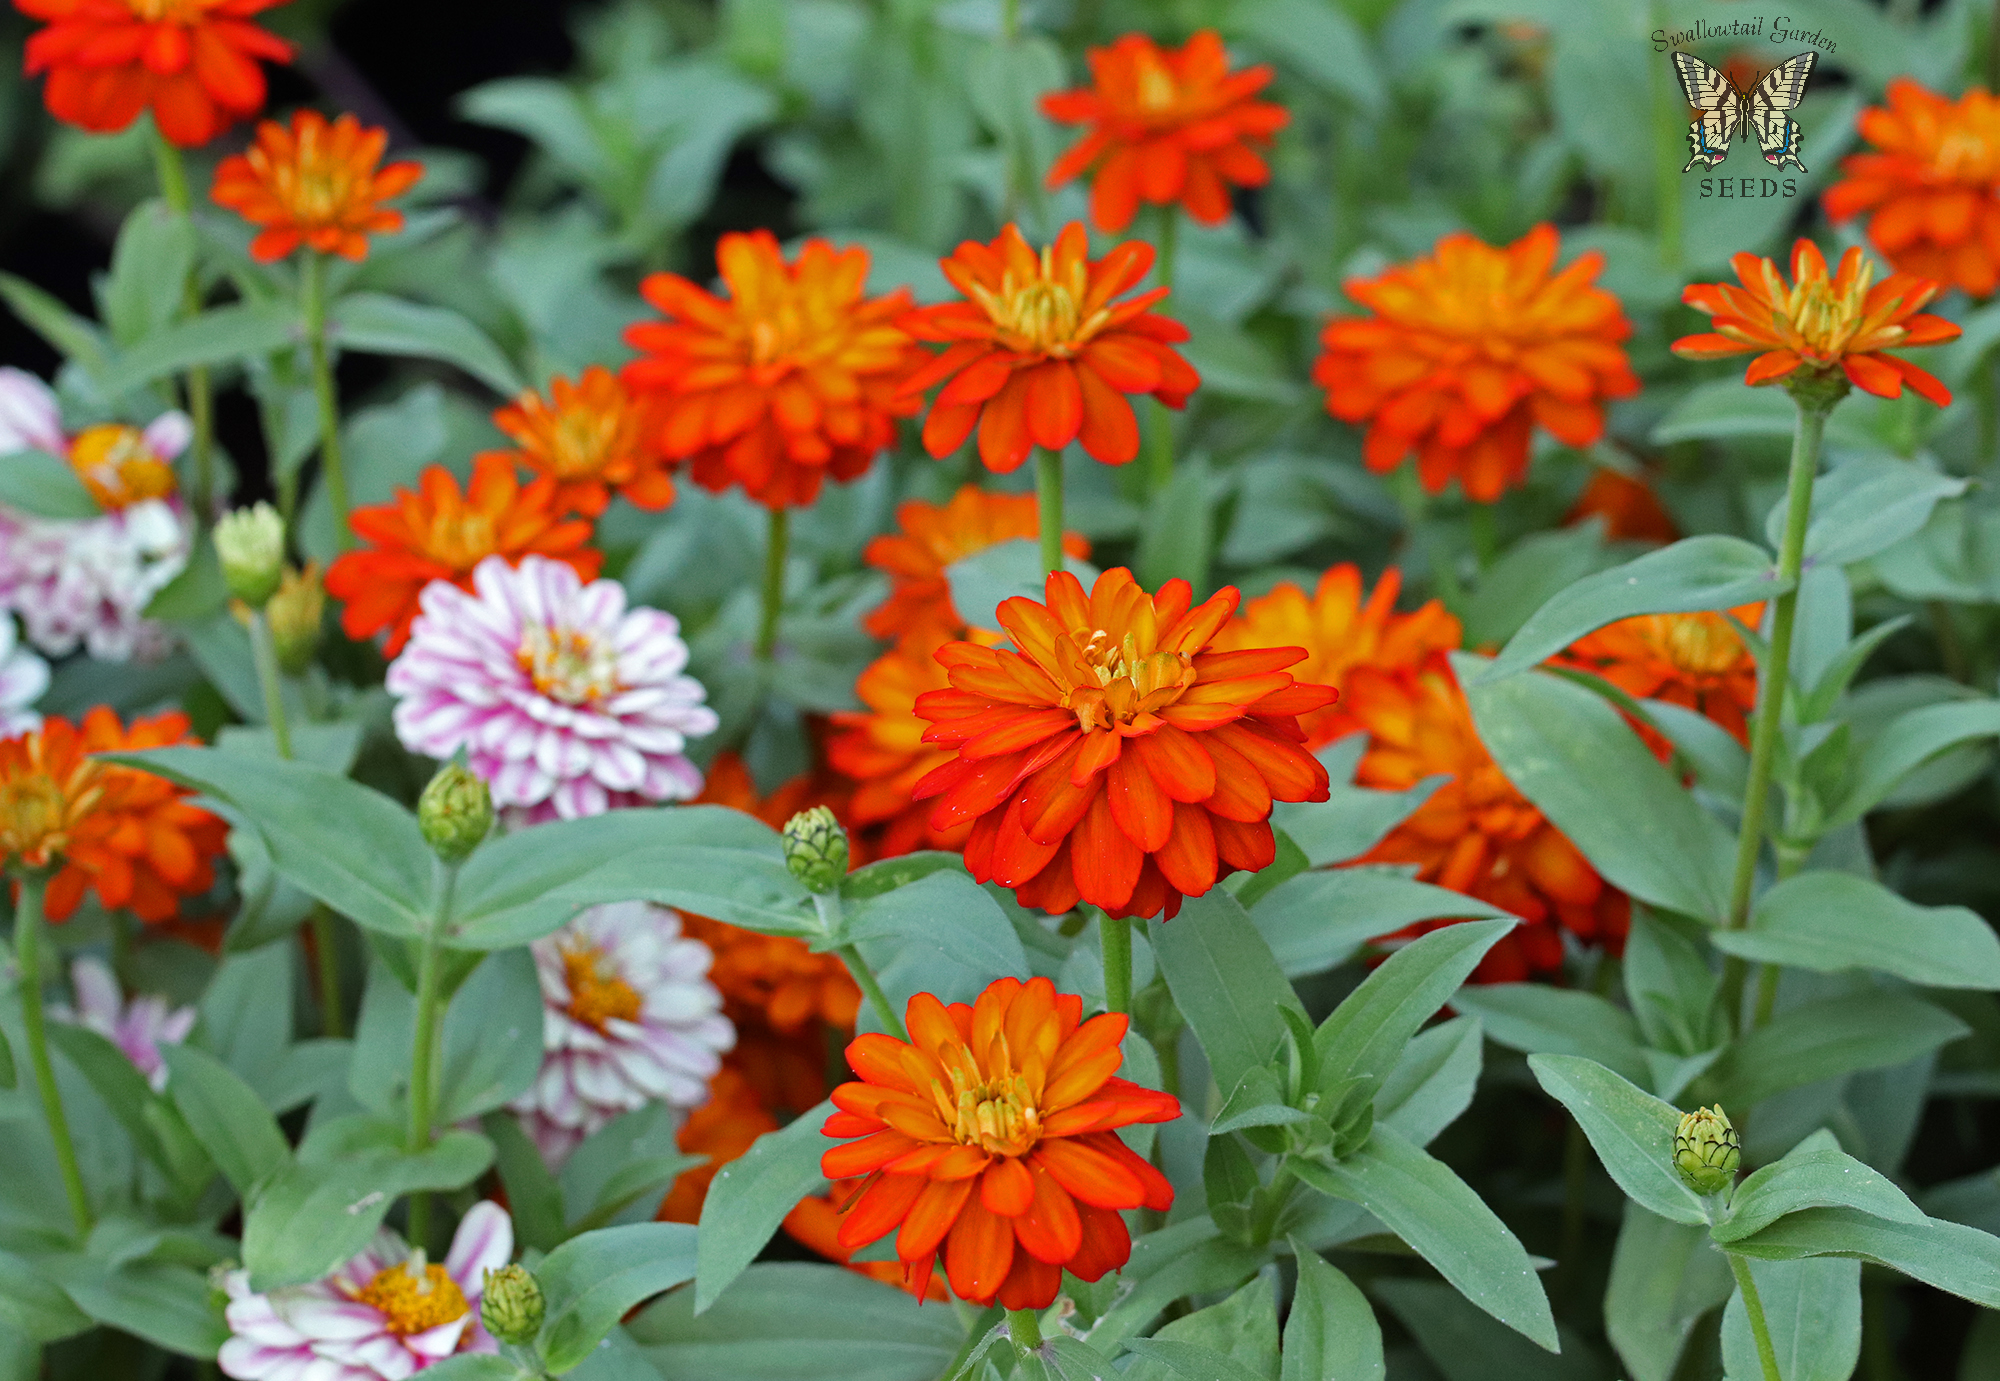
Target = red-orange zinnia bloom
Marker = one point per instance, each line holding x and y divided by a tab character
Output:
882	750
1696	660
1115	759
439	533
193	63
1166	126
1820	324
1343	636
1468	351
1039	353
1629	507
932	536
315	184
133	838
591	437
1933	184
787	381
991	1134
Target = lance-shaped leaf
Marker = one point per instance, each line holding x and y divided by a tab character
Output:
1833	1036
1631	1131
592	1281
385	325
226	1116
1910	740
1366	1034
1830	922
1824	1178
1225	983
1331	1331
1317	920
1812	1309
1954	1258
751	1195
1536	1019
239	331
751	888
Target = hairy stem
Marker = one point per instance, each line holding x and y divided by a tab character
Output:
1760	1331
1049	500
777	547
264	656
864	978
1024	1326
172	173
312	281
424	1049
1114	934
28	929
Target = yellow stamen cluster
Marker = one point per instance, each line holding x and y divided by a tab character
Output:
575	668
414	1297
1120	683
597	995
1043	314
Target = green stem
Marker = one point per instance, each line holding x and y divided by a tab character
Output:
1415	503
1790	861
424	1049
1049	501
776	548
864	978
312	281
264	655
1760	1331
1160	456
1576	1185
1485	534
1024	1326
172	173
1114	934
28	957
332	1021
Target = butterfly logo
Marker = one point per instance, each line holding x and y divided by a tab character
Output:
1721	110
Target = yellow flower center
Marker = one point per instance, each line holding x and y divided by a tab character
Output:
1125	682
1827	319
597	995
461	540
582	442
1044	314
170	11
1158	94
1964	157
1699	644
575	668
118	467
35	813
414	1297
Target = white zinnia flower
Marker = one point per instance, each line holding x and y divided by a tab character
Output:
23	678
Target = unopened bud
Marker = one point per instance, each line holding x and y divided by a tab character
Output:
816	849
294	614
511	1305
1707	1151
455	812
250	542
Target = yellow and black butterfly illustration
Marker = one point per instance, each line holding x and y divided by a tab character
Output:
1721	110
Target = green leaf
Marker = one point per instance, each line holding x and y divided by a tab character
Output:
1225	983
1465	1345
1865	506
1533	571
1664	1278
167	1305
1829	922
1911	739
633	1154
1951	1257
1812	1309
1318	920
1192	1360
1188	1258
1331	1331
157	1131
149	271
8	1077
246	1014
1833	1036
945	935
329	747
41	484
980	583
1671	986
379	324
477	1366
1812	1179
592	1281
745	887
220	335
1573	756
1696	573
1536	1019
533	1199
226	1116
75	337
1321	41
886	875
1631	1131
1351	821
1434	1080
1366	1033
1179	531
1241	1330
32	1304
1424	1203
751	1195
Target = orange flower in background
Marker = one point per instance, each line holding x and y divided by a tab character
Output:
1166	127
591	437
1343	636
1933	184
787	381
1819	324
1629	507
815	1222
930	539
1477	834
133	838
315	184
1039	354
438	532
722	1129
1468	351
1697	660
990	1135
193	63
1115	759
882	749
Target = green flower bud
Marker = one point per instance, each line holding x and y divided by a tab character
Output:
455	812
294	614
250	543
816	849
511	1305
1707	1151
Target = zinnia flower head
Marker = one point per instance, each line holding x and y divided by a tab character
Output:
1933	184
316	184
1166	126
138	1028
1697	660
930	538
883	749
23	678
193	63
1040	352
788	380
991	1135
1630	509
1468	350
133	838
438	532
591	437
1115	759
1343	637
383	1315
629	1018
1815	329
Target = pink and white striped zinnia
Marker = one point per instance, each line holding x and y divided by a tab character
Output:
566	702
138	1028
383	1316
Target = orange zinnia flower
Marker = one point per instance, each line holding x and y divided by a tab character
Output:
1629	507
193	63
934	536
815	1222
1342	636
788	380
1468	351
1933	183
1697	660
1818	324
882	749
1166	126
992	1126
131	837
1477	834
1039	354
1115	759
437	533
314	184
591	438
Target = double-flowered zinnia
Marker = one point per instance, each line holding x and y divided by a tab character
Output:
316	184
594	439
1115	758
990	1135
565	702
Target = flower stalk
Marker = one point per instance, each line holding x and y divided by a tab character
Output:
1024	1327
424	1049
1049	504
777	548
28	928
1753	1305
312	291
1114	935
864	979
171	170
